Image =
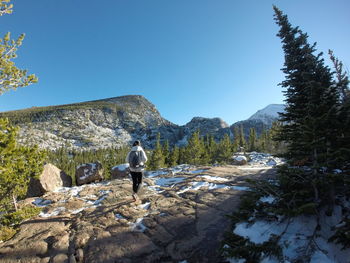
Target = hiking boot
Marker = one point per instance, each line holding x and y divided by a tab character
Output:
135	197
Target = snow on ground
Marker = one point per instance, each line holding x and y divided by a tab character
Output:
198	185
119	216
198	171
162	179
267	199
40	202
145	206
55	212
240	188
263	160
296	237
138	226
155	173
213	178
90	200
169	181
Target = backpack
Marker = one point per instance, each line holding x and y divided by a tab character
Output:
135	159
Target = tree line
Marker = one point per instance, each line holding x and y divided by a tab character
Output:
205	150
200	150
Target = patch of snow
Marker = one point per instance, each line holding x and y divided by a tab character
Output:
240	188
41	202
263	160
138	226
213	178
267	199
155	173
103	183
119	216
169	181
198	185
180	168
55	212
105	192
337	171
98	201
145	206
271	162
296	237
77	210
198	171
156	189
72	191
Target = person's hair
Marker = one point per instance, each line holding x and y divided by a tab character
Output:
136	143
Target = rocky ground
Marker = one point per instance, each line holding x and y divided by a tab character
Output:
181	217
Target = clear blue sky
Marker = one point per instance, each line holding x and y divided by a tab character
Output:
217	58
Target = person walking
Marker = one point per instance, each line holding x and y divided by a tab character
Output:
136	159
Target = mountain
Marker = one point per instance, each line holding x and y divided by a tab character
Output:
115	122
95	124
269	114
261	120
214	126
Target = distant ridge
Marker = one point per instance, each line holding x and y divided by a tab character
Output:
268	114
116	122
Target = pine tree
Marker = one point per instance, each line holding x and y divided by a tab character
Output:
225	149
252	140
211	148
276	147
157	158
174	156
195	150
166	153
236	137
11	77
311	100
17	165
241	138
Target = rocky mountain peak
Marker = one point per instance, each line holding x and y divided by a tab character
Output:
268	114
215	123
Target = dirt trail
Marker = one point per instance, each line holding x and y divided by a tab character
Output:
182	218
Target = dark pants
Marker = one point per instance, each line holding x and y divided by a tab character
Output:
136	181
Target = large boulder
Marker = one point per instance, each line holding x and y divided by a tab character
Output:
239	160
50	179
120	171
88	173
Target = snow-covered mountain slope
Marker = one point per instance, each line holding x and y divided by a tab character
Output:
261	120
268	114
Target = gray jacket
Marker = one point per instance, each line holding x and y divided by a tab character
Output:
143	158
